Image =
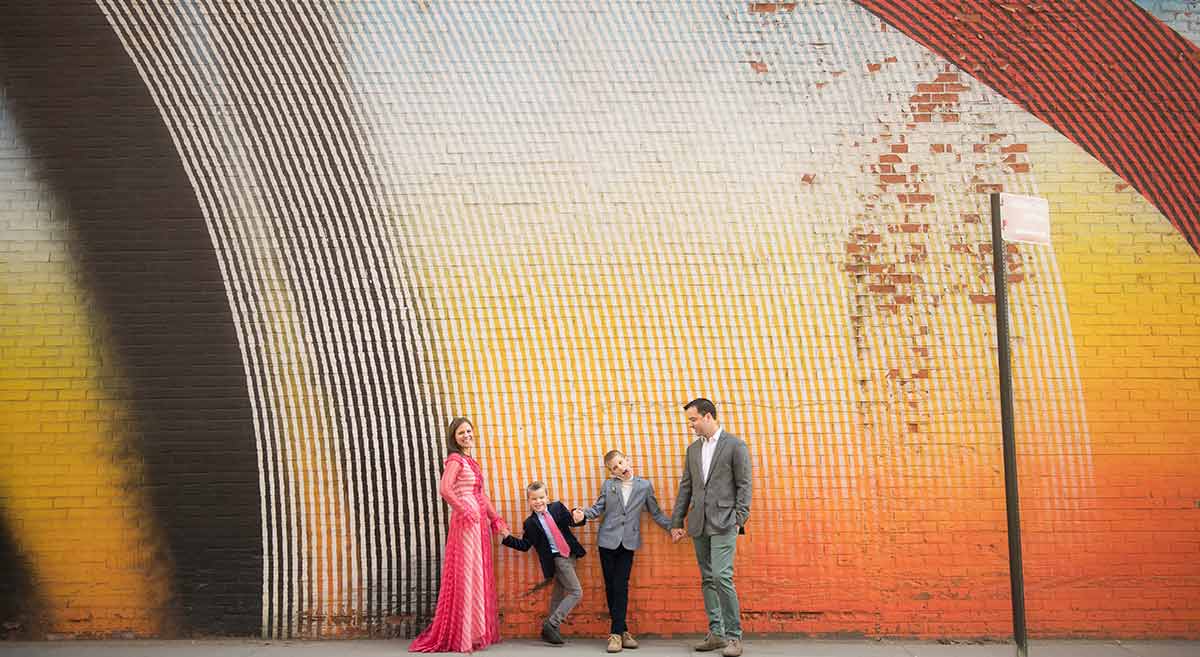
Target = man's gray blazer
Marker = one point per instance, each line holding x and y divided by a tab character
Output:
721	504
622	521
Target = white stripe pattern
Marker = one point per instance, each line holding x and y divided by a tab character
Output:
347	430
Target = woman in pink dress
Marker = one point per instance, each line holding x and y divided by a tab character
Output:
466	618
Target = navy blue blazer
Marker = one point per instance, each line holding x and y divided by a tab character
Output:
535	537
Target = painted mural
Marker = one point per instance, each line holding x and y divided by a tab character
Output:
254	257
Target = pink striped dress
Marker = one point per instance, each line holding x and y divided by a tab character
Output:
466	617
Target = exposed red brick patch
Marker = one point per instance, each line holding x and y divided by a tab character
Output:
759	67
915	258
771	7
873	67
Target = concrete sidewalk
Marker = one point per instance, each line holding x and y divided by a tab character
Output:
595	648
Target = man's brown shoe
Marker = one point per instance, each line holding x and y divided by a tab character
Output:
614	643
711	642
734	649
628	641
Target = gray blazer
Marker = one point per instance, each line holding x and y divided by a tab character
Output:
622	522
722	503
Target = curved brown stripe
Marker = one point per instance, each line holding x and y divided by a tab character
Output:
147	261
1116	98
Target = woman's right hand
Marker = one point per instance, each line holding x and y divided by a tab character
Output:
470	515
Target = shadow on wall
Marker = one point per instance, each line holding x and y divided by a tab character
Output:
140	242
20	607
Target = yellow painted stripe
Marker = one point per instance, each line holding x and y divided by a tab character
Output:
67	483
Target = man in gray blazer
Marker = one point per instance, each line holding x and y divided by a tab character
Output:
714	494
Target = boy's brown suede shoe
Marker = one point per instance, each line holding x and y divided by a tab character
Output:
711	642
628	641
614	643
734	649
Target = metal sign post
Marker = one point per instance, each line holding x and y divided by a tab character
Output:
1028	220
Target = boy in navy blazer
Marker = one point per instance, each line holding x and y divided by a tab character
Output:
548	531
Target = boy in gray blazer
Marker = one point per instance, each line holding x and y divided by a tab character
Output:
621	501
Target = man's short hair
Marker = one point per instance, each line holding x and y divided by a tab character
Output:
612	454
702	406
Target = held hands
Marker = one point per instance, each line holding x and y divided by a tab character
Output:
678	533
577	515
500	527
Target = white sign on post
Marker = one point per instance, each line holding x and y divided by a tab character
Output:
1024	219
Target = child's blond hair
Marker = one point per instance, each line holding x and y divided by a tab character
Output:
534	487
612	454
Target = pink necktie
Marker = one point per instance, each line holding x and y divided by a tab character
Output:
560	543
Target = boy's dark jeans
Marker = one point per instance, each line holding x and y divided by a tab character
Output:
616	566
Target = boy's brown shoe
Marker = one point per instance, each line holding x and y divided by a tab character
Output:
628	641
734	649
614	643
711	642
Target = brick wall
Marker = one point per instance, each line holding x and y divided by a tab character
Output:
253	259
